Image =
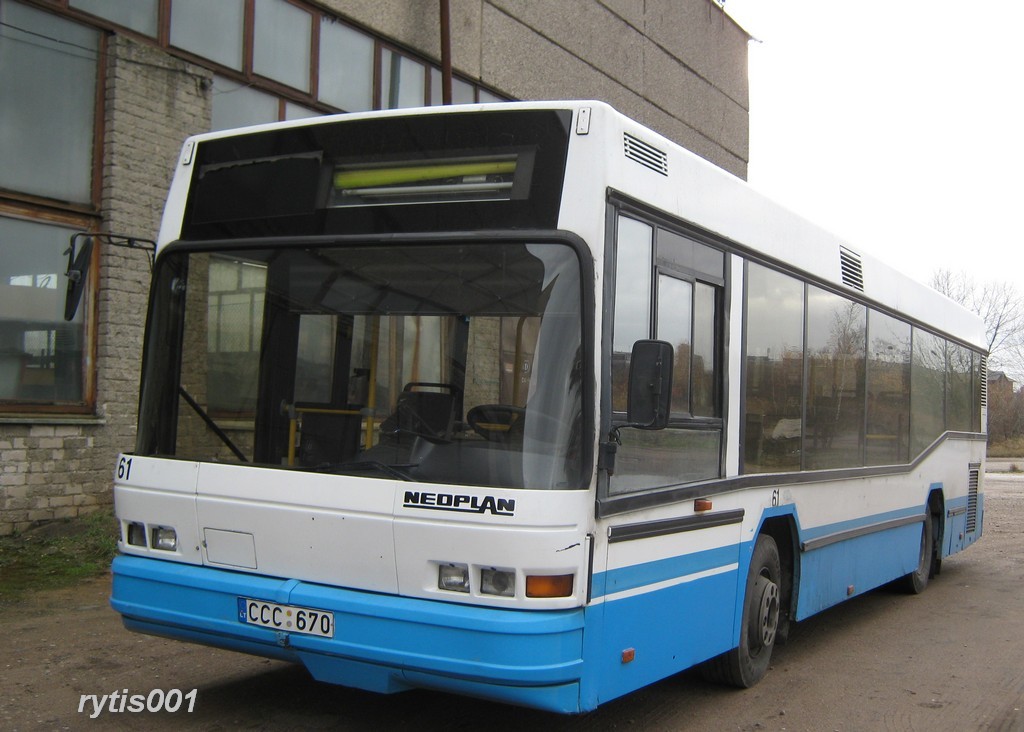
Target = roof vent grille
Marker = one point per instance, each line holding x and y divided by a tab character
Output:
647	155
853	274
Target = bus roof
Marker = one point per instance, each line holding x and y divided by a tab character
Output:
696	191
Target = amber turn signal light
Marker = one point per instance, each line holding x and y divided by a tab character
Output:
539	585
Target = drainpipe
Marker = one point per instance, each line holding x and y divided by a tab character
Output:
446	54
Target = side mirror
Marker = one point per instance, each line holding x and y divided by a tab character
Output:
78	272
650	385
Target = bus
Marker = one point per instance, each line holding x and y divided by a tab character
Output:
523	401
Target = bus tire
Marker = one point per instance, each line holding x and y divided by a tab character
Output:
747	664
916	582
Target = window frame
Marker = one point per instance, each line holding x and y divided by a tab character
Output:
610	502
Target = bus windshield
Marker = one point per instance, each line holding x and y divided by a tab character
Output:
439	363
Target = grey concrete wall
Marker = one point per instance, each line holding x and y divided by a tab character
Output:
678	66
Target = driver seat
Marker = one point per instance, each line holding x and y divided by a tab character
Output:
430	414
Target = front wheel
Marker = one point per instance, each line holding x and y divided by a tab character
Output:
747	664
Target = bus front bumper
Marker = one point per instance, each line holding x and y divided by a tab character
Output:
381	643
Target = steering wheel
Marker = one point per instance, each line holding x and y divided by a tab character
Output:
497	422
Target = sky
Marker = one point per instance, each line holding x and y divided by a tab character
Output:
896	124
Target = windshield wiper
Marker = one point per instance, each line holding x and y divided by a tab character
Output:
394	471
211	424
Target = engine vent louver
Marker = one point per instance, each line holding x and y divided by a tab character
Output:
647	155
984	381
849	264
973	474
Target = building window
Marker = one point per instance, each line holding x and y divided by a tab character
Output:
48	88
48	162
281	44
239	105
403	81
346	67
210	30
462	91
140	16
43	358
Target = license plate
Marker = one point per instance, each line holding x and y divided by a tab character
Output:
290	618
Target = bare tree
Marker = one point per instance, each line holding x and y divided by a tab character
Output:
1001	306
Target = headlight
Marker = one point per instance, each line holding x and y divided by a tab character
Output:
136	533
165	538
453	577
497	582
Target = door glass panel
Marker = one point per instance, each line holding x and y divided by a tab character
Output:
705	359
632	320
675	298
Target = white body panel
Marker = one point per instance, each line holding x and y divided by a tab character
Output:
352	532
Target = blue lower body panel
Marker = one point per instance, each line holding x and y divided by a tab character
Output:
381	643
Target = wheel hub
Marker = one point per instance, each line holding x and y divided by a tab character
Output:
767	622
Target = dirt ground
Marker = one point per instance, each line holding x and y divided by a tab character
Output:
950	659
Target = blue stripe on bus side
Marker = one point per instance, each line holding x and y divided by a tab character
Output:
858	523
662	570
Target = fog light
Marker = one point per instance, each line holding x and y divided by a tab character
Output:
453	578
497	582
549	586
165	538
136	534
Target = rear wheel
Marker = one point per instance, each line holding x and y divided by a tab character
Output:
916	582
747	664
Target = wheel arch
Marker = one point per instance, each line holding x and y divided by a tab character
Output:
783	530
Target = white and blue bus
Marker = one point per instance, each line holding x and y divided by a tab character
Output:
525	402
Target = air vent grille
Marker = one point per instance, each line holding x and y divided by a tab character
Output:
984	381
647	155
973	475
853	274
